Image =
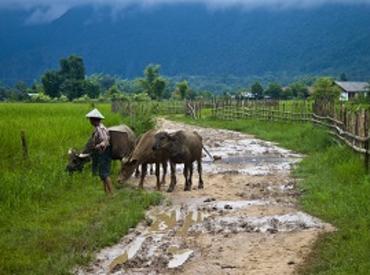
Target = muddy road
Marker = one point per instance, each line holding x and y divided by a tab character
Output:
245	221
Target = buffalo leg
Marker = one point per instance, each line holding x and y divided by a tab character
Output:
190	181
200	184
144	168
157	172
173	177
186	175
164	166
137	172
151	169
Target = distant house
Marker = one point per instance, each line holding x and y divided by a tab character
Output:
350	89
248	95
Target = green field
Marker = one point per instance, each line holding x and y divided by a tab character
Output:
50	221
335	188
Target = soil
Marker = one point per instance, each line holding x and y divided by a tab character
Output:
245	221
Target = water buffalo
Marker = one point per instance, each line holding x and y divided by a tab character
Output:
122	140
143	155
182	147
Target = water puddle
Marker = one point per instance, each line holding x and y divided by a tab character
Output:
163	221
130	253
120	260
234	205
193	217
179	258
272	224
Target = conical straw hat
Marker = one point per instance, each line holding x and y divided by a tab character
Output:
95	114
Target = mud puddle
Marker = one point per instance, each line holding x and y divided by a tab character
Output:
245	221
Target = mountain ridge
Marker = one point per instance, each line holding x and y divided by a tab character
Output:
191	40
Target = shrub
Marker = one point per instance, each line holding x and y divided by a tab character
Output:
141	97
41	98
82	99
63	98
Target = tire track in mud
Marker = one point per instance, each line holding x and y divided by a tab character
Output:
245	221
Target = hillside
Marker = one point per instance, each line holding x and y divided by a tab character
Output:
191	40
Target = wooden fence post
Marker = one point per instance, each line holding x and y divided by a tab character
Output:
366	134
24	145
357	125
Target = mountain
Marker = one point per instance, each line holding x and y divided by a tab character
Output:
189	39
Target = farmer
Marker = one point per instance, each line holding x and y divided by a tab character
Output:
101	154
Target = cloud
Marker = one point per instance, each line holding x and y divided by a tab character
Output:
48	10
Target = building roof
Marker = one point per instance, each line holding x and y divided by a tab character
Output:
353	87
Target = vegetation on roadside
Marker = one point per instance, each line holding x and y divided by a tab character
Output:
335	188
50	221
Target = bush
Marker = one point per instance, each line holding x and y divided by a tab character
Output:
325	90
141	97
82	99
142	122
63	98
41	98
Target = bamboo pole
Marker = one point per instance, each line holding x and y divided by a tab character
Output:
24	145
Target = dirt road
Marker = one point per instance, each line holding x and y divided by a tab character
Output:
245	221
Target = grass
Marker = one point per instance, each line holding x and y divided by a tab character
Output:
336	189
49	221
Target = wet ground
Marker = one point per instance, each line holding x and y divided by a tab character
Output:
245	221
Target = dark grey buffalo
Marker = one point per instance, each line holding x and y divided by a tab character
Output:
122	141
143	155
182	147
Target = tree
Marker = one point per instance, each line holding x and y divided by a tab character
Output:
325	90
3	92
205	95
73	88
183	89
104	81
159	84
72	67
69	80
275	91
51	81
152	83
91	89
257	90
113	92
299	90
286	93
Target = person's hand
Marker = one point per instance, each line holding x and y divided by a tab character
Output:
100	147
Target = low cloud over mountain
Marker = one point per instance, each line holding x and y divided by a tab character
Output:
42	11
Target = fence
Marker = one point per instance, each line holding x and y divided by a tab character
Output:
348	125
189	108
263	110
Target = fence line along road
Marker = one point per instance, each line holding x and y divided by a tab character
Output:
348	125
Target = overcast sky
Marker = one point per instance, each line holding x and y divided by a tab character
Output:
48	10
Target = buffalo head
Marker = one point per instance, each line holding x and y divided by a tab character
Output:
128	167
76	161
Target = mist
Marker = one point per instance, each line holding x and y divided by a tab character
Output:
42	11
